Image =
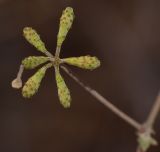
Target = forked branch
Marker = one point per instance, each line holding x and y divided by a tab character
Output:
145	130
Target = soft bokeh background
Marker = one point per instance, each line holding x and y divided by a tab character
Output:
124	34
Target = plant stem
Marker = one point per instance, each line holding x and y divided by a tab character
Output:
49	54
145	128
20	72
148	124
104	101
154	112
58	49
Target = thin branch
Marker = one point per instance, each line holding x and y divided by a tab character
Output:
145	130
154	112
104	101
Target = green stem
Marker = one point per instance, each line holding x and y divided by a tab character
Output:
58	49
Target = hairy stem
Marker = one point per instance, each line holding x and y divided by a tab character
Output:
104	101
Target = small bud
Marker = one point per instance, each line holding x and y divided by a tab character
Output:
145	141
33	38
84	62
66	21
17	83
33	83
32	62
63	91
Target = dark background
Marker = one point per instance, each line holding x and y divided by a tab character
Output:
124	34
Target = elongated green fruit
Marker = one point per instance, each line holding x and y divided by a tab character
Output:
33	83
33	38
32	62
84	62
66	21
63	91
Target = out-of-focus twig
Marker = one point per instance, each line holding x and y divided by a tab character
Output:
154	112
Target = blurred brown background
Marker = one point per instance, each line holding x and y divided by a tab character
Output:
124	34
